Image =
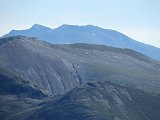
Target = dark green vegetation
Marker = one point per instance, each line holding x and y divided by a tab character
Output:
41	81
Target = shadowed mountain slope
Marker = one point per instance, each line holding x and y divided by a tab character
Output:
98	101
14	84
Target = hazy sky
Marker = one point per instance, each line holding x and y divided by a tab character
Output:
139	19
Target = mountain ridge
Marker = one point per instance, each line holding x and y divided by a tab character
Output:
44	81
68	34
66	66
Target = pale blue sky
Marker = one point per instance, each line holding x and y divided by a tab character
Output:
139	19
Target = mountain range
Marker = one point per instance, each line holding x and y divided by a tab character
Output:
44	81
68	34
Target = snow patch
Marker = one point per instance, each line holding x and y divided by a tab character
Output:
93	34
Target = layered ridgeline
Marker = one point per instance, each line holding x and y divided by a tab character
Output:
36	78
56	69
87	34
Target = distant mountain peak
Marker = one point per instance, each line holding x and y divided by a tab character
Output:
87	34
79	27
38	27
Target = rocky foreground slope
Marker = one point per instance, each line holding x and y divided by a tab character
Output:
92	101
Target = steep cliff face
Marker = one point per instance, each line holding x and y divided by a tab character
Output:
56	69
